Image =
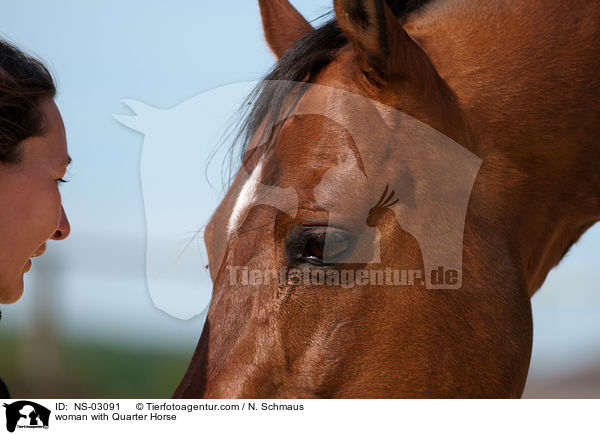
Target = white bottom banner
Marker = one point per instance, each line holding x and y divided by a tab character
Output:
153	416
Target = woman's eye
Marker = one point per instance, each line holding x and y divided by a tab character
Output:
61	180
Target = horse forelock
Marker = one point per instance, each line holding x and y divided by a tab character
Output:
300	63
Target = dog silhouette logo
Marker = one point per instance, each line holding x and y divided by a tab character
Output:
26	414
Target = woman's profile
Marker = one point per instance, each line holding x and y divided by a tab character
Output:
33	162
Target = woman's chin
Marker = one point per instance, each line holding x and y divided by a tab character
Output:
11	293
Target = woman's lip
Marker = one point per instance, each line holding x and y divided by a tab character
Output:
37	254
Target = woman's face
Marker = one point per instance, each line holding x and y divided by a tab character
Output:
30	205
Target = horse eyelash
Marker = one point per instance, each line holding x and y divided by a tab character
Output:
62	181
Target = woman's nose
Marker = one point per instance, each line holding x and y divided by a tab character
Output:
64	228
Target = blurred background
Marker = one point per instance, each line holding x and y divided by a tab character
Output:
86	325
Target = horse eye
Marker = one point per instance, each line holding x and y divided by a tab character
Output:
314	248
319	245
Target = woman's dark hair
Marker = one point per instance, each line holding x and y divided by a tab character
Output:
24	83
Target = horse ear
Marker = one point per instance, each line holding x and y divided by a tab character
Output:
380	41
282	24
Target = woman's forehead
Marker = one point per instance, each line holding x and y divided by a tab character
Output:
50	148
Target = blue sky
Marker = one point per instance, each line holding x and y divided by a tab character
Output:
159	53
164	53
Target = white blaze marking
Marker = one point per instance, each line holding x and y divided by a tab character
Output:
245	199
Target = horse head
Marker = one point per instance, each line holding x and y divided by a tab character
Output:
370	128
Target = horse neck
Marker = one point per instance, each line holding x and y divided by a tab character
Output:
526	76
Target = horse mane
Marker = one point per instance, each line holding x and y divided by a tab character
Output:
305	58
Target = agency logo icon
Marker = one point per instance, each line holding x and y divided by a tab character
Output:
25	414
